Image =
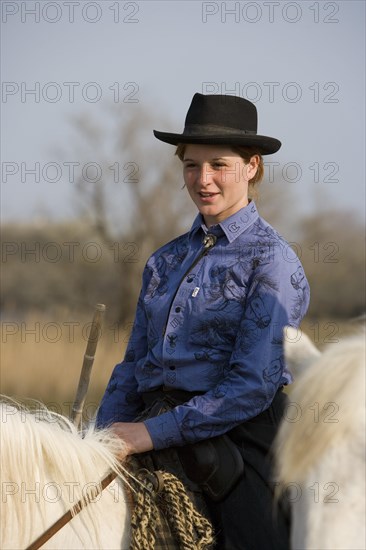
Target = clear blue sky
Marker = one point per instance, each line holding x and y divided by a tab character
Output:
301	62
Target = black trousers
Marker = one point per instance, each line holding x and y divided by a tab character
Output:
247	519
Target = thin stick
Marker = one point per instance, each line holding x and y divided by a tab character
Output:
40	541
94	335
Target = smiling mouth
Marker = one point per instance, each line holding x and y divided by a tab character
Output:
207	195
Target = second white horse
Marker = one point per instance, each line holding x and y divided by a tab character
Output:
321	444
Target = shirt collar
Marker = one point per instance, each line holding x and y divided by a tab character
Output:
231	227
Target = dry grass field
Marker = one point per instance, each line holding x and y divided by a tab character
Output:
41	359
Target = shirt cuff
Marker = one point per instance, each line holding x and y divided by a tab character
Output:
164	431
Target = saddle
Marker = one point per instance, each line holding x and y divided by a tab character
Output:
212	466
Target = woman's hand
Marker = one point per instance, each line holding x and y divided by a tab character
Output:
135	435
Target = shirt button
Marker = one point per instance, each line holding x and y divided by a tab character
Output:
177	309
172	367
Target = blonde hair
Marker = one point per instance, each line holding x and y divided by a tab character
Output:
246	153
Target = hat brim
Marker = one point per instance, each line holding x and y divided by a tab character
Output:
266	145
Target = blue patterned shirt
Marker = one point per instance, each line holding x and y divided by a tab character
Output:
210	320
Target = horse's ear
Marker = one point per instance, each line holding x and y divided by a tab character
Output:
300	352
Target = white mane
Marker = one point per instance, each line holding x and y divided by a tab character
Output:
334	386
320	447
46	467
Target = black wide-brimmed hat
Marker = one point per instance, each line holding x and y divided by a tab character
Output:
221	120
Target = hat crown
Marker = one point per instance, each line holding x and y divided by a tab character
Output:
221	120
224	111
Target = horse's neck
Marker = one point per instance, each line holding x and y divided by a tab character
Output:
109	528
103	525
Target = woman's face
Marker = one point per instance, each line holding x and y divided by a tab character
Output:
217	180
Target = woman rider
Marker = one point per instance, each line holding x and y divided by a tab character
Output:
209	322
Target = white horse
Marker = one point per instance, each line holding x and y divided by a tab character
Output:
46	467
320	448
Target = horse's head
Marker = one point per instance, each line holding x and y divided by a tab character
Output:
298	278
257	312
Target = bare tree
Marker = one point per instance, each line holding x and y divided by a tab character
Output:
138	203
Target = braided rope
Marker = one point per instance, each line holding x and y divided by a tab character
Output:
192	530
144	521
